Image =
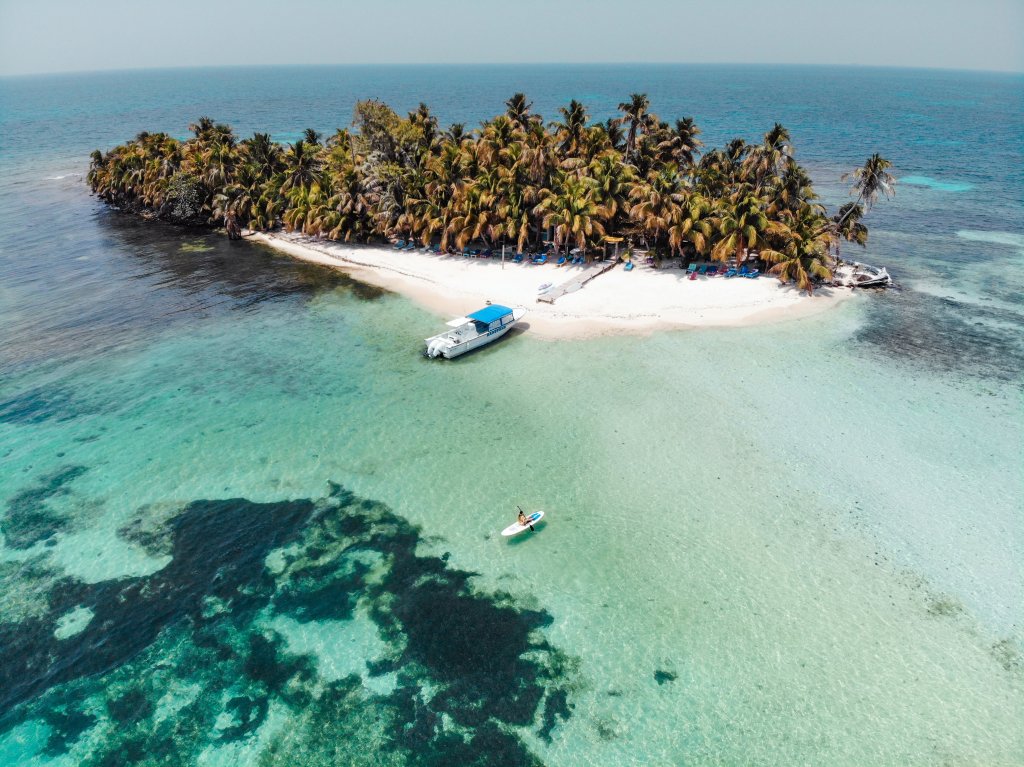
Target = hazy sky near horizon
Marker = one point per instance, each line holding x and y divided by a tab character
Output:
38	36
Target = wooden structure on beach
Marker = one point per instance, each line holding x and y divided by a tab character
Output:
577	282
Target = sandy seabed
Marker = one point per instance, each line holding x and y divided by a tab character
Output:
639	301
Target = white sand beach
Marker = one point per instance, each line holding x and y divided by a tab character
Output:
638	301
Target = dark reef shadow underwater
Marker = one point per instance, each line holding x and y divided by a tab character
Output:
168	659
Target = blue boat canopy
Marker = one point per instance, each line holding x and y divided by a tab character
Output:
490	313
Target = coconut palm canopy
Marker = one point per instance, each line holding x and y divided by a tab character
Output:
515	180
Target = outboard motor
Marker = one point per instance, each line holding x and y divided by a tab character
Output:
436	347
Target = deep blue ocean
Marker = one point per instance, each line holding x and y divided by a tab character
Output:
245	523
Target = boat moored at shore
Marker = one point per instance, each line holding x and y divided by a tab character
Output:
474	330
857	275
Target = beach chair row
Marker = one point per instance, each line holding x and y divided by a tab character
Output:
532	258
436	248
413	245
710	270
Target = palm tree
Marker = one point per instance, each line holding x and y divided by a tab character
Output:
613	130
202	128
218	162
351	204
846	225
227	205
426	123
517	195
263	154
97	166
456	133
682	143
637	115
656	201
800	262
474	207
870	179
765	161
570	132
340	138
742	226
735	154
793	188
301	166
612	181
518	111
495	137
692	222
573	212
804	256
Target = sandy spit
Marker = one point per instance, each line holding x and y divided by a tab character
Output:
637	302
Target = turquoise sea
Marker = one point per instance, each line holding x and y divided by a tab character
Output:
244	521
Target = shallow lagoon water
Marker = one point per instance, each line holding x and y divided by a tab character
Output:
793	543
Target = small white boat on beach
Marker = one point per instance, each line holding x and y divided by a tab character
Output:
474	330
858	275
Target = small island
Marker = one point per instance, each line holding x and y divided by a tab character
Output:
556	203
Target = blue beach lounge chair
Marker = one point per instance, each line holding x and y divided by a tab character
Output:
400	244
518	258
560	261
540	259
731	272
712	270
752	274
691	268
629	266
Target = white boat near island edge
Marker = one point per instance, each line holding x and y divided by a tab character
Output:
474	330
857	275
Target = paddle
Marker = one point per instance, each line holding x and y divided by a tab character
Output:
525	517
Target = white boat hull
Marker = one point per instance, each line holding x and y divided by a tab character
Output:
455	343
451	350
857	275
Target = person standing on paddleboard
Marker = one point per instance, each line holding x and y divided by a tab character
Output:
523	521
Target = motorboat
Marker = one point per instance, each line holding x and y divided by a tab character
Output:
857	275
474	330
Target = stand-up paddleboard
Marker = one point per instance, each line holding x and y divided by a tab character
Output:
516	528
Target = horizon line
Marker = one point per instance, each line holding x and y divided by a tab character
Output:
187	67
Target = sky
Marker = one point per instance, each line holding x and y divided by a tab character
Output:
41	36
